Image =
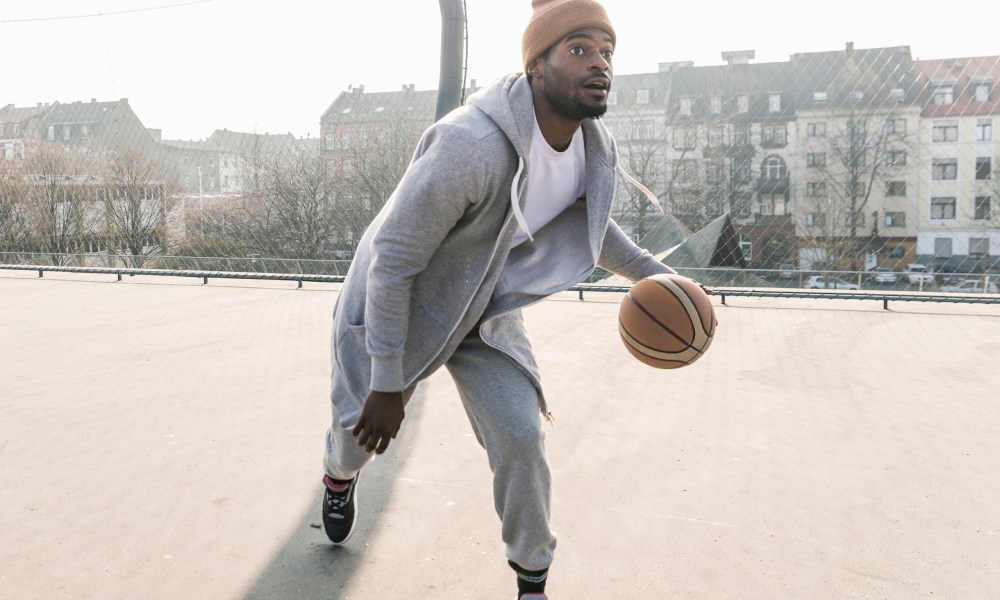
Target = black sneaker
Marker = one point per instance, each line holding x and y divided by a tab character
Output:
339	516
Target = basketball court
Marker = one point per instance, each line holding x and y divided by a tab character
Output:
161	438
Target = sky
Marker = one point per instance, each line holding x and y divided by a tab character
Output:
189	67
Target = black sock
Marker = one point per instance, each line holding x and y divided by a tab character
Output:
529	582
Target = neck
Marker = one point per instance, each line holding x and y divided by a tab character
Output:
557	130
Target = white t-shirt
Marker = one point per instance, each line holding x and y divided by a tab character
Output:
555	181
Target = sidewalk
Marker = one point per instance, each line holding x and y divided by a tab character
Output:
160	438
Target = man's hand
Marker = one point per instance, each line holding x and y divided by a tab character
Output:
380	420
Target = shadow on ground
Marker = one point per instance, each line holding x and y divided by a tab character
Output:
309	566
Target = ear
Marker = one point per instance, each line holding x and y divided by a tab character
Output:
536	67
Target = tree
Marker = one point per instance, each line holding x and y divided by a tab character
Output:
136	198
55	196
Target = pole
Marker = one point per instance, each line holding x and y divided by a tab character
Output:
452	56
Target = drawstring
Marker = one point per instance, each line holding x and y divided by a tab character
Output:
649	195
522	223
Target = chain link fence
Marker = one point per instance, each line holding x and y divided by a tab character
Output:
860	166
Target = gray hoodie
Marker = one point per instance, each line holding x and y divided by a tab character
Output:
437	261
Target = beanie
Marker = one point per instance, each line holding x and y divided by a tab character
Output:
552	20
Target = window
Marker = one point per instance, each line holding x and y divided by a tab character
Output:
65	132
945	131
984	130
746	247
895	158
345	141
857	95
685	170
330	141
741	169
815	219
716	136
894	251
854	219
984	167
982	209
816	159
979	247
942	208
944	168
819	97
644	129
816	129
741	135
686	106
895	126
816	188
774	168
895	188
743	104
211	161
774	103
772	204
642	97
716	104
944	94
895	219
715	171
685	138
942	247
17	130
612	98
981	91
772	135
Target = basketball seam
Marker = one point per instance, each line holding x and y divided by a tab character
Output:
663	325
693	313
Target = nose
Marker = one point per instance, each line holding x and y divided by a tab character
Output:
599	63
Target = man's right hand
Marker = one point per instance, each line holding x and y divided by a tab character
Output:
380	420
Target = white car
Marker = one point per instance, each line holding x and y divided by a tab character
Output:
883	275
816	282
971	286
917	273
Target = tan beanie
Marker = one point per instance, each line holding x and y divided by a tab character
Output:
552	20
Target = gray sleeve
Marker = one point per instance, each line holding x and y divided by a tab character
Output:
621	256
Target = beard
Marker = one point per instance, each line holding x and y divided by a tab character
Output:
565	97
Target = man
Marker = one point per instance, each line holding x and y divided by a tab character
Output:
507	201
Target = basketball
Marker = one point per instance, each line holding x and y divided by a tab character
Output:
667	321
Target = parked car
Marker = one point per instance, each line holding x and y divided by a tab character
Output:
916	273
971	286
817	282
787	271
883	275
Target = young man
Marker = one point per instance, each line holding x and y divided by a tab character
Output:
507	201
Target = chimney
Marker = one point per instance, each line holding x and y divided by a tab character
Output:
93	100
670	66
849	49
738	57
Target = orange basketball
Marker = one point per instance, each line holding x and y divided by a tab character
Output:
667	321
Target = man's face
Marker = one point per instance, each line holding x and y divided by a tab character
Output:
576	75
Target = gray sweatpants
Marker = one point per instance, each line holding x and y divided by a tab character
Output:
503	408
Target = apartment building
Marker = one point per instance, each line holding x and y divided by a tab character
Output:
958	221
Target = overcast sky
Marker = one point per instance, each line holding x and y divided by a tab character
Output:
189	67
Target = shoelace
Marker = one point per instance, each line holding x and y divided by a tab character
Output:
335	501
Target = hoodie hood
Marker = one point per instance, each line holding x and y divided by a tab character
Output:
508	102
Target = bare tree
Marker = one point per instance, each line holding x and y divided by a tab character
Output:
54	201
136	198
289	208
12	189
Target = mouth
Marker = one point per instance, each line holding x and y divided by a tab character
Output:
599	86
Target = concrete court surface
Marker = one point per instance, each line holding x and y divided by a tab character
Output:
161	438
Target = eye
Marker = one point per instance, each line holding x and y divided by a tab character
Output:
607	54
578	50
